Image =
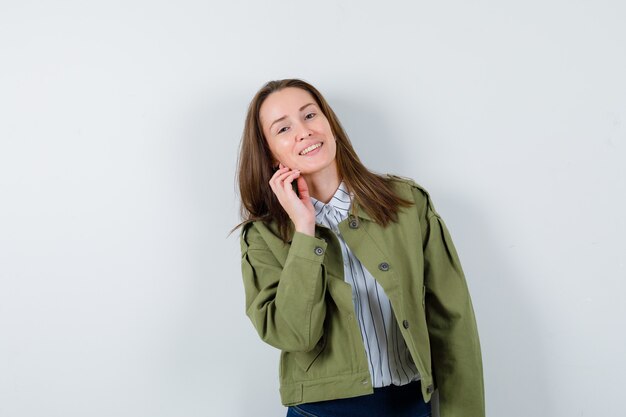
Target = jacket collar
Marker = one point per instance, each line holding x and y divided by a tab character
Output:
357	210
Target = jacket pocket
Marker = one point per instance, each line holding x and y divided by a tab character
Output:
306	359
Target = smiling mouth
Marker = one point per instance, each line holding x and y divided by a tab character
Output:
311	148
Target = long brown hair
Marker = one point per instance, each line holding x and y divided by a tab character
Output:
372	191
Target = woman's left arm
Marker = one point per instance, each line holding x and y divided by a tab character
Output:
455	345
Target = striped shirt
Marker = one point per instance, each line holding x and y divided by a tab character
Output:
389	359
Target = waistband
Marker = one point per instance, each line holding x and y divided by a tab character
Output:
392	400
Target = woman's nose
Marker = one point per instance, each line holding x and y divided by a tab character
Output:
304	132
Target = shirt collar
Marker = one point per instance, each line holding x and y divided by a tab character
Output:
355	209
341	201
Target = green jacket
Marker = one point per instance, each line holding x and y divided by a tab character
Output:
298	301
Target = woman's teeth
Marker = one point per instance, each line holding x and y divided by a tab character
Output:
310	148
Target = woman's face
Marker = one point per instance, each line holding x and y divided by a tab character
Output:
293	122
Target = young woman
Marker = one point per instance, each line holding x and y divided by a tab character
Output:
352	275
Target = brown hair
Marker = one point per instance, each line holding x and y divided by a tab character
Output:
258	202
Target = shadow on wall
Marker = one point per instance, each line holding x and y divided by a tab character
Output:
510	331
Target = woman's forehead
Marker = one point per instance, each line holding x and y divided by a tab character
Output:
283	103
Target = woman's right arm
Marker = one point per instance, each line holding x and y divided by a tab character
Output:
284	298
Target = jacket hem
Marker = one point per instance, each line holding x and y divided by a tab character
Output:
343	386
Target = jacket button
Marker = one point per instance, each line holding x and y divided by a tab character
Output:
430	389
354	223
405	324
383	266
319	250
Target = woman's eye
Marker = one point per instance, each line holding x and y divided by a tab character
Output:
281	130
313	114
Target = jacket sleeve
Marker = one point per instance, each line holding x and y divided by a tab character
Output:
285	300
455	346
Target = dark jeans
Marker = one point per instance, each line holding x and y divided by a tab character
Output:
389	401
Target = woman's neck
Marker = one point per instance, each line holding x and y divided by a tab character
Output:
323	184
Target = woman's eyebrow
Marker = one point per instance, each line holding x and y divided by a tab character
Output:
283	118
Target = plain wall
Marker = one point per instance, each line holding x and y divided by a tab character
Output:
120	291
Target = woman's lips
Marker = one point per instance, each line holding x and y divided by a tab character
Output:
314	151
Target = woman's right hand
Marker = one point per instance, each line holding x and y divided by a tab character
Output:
300	209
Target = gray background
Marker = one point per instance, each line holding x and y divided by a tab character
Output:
120	291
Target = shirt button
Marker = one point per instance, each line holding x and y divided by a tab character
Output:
430	389
405	324
319	250
354	223
383	266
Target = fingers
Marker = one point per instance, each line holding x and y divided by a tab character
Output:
281	175
296	203
279	172
286	179
303	188
282	179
